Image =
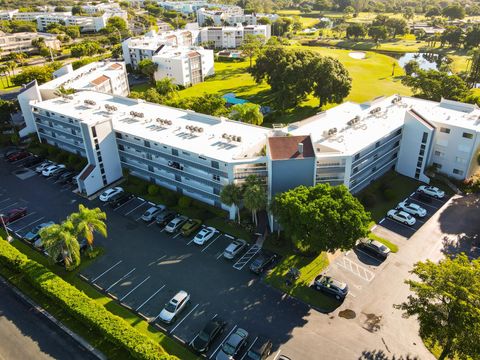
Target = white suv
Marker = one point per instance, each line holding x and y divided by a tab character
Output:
109	193
50	170
432	191
412	209
174	307
401	216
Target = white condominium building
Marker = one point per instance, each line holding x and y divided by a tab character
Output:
22	42
184	7
229	15
184	65
197	155
107	77
231	37
136	49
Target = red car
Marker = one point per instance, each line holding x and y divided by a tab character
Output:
13	215
18	156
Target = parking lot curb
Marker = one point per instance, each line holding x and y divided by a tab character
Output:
85	344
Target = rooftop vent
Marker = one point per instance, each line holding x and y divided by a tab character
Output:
375	110
164	121
110	108
300	148
89	102
136	114
396	99
353	121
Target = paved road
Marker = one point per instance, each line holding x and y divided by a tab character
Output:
27	334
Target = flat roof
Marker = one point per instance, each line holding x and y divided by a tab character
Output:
219	138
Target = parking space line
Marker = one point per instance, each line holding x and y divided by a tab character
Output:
122	278
206	247
381	221
191	241
399	223
177	235
135	208
23	217
150	298
135	288
4	200
425	204
225	338
277	354
6	207
246	352
106	271
33	222
153	222
124	204
178	324
139	217
219	255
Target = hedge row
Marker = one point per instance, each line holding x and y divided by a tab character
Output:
81	307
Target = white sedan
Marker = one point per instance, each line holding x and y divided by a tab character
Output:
412	209
401	216
108	194
204	235
51	169
432	191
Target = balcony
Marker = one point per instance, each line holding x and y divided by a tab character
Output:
58	121
364	157
64	133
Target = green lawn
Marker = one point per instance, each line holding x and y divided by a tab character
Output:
6	85
102	344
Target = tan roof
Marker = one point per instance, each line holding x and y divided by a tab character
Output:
286	147
99	80
193	54
87	172
116	66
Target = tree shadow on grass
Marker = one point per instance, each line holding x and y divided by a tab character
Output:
381	355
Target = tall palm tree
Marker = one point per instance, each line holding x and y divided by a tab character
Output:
87	221
3	71
254	195
11	66
60	241
231	194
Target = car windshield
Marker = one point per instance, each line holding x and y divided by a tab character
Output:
170	307
199	236
228	349
383	248
203	336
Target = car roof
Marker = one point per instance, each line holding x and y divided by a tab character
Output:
179	296
212	324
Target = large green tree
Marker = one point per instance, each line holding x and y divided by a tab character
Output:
356	30
251	45
332	81
249	113
446	302
165	87
321	218
454	11
88	221
41	73
60	242
147	67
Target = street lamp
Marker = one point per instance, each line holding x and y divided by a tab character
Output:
9	238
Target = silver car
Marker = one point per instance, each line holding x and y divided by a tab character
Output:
176	224
235	247
152	213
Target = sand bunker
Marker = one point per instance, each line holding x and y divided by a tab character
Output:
359	55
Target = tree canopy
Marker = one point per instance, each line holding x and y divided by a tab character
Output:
248	113
446	302
42	73
321	218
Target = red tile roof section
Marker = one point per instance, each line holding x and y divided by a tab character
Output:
99	80
116	66
86	172
286	147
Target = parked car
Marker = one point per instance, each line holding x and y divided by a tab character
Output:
13	215
262	261
331	286
65	177
34	160
176	224
43	166
234	248
120	199
174	307
52	169
433	191
401	216
204	235
204	338
109	193
260	350
233	345
33	235
284	357
374	247
412	208
11	151
165	217
190	226
152	212
19	155
58	172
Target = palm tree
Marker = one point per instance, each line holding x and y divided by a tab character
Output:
60	241
254	195
11	66
87	221
3	71
231	195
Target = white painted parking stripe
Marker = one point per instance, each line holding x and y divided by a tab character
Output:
122	278
125	203
4	200
178	234
178	324
229	236
373	228
191	241
135	288
425	204
33	222
23	217
413	193
153	222
246	352
381	221
150	298
6	207
277	354
206	247
225	338
219	255
106	271
128	213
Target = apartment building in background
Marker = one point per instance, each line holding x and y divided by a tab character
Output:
231	37
184	7
229	15
104	76
197	155
22	42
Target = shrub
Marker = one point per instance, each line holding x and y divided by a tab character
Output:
52	151
72	161
389	194
153	190
81	307
184	202
368	200
169	197
61	157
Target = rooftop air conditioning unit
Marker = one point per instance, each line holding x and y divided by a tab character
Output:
200	129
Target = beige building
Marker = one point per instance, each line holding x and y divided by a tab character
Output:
22	42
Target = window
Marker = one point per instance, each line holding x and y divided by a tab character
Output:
377	144
424	137
458	172
147	144
419	163
439	153
460	160
357	156
216	177
355	170
118	135
467	135
185	153
97	147
445	130
422	147
437	165
94	131
215	164
422	152
175	152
